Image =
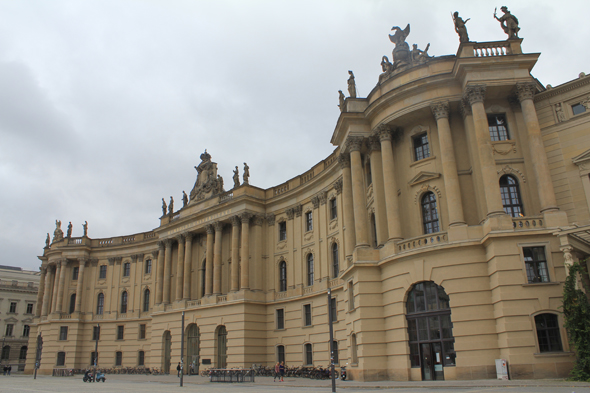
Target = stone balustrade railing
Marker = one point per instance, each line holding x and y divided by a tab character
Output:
221	298
278	190
491	49
523	223
334	282
193	303
422	241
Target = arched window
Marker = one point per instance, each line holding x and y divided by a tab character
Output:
511	196
72	303
309	269
146	300
100	304
23	352
124	302
429	213
282	276
335	261
353	349
308	354
430	330
548	333
203	277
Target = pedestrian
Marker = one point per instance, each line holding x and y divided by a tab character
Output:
282	370
5	369
277	371
178	370
9	369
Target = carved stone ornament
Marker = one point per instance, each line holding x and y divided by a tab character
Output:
58	234
155	254
323	196
354	143
504	147
424	189
270	219
218	225
235	221
245	217
373	144
465	108
559	113
290	213
180	238
111	261
474	93
338	186
210	230
161	245
315	201
344	161
440	110
383	132
525	91
188	236
298	210
208	183
258	220
508	170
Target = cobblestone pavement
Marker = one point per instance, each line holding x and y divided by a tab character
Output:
168	383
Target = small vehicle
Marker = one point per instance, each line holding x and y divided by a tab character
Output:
88	377
343	374
100	377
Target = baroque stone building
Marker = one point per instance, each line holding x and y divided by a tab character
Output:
18	297
443	223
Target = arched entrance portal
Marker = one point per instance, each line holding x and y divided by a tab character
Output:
167	348
193	338
430	330
221	361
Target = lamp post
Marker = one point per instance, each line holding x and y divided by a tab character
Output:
182	352
330	323
96	350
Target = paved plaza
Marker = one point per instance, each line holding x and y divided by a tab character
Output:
169	383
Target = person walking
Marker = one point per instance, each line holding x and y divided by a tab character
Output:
277	371
9	369
178	370
282	371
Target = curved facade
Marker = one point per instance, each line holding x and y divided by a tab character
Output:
441	223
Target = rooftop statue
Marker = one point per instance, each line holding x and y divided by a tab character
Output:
246	173
171	206
164	207
58	234
236	177
420	56
351	85
508	22
184	199
69	230
341	99
460	27
85	228
386	65
207	183
401	52
47	240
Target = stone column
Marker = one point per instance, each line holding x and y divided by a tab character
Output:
525	92
167	270
80	285
188	262
378	190
55	286
217	258
475	95
245	271
257	254
180	267
354	145
347	208
449	163
390	184
40	293
61	285
160	273
47	294
235	253
209	261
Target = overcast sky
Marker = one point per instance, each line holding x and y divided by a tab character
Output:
105	106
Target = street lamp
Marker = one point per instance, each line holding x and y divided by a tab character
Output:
330	324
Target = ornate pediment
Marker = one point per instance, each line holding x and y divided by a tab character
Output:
422	177
583	158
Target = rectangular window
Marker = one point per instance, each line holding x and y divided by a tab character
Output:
26	330
578	108
536	264
333	209
75	271
308	221
118	358
307	315
9	330
148	266
281	353
95	333
126	269
12	307
498	127
141	358
308	355
350	296
29	308
282	230
102	273
280	318
421	147
63	333
333	309
120	331
61	359
142	331
335	351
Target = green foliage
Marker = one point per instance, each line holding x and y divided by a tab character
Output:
576	310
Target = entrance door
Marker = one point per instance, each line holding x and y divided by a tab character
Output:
432	362
167	346
192	348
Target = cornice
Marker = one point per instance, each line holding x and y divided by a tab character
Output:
568	86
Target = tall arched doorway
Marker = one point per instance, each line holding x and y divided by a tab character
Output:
430	330
221	350
193	338
167	349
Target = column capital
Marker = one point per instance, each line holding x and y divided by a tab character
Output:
323	195
315	201
245	218
161	244
338	186
235	221
354	143
180	238
210	230
465	108
298	210
525	90
111	261
218	225
383	132
168	243
474	93
290	213
155	253
344	161
258	220
374	143
83	261
440	109
43	269
188	236
270	219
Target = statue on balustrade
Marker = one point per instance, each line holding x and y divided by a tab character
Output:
460	27
236	178
246	173
58	234
208	183
351	85
184	199
401	52
85	228
341	99
164	207
69	235
47	240
508	22
171	206
420	56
